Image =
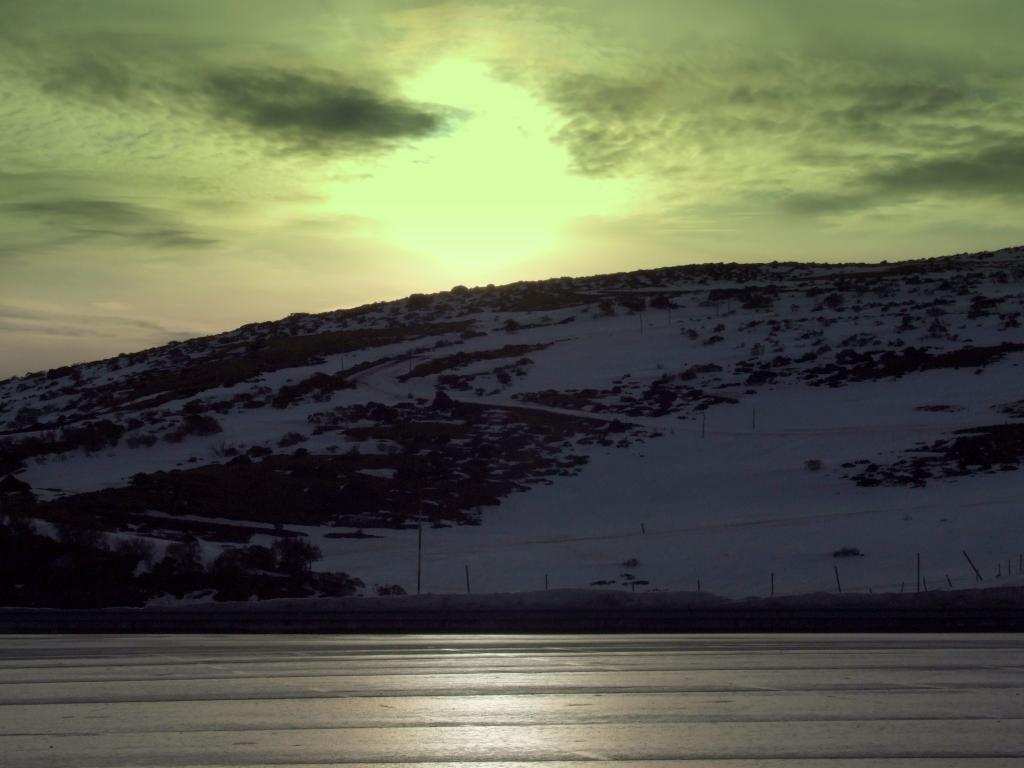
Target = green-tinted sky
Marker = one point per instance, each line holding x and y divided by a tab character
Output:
172	168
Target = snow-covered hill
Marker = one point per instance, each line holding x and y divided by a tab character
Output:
732	424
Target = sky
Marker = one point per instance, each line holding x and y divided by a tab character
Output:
171	169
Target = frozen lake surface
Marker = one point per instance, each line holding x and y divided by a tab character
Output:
627	700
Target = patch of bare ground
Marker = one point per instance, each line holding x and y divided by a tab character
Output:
444	463
993	448
851	365
667	394
462	359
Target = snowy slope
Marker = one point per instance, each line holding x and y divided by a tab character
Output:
719	423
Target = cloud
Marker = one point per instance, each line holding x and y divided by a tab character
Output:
77	219
615	123
796	132
93	75
14	319
157	238
312	110
108	211
315	112
992	171
611	123
874	100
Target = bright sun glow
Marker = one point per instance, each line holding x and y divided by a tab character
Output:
494	190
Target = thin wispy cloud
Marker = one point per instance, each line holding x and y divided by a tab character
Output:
75	219
17	319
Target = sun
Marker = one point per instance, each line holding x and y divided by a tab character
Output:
492	191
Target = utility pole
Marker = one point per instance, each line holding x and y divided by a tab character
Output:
419	527
419	556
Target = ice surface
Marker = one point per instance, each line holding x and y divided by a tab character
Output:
507	700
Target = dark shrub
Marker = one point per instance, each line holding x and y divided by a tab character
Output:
848	552
81	537
193	423
420	301
144	440
290	439
336	584
94	436
181	569
295	556
633	303
136	550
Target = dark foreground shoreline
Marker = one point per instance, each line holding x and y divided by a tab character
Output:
547	622
986	610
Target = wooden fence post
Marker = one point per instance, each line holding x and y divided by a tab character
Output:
977	573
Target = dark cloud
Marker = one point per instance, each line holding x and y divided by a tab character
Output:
315	112
157	238
800	133
993	171
76	219
871	100
92	75
618	125
813	203
312	110
79	210
174	238
609	122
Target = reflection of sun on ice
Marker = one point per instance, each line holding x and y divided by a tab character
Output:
491	186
